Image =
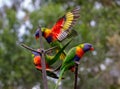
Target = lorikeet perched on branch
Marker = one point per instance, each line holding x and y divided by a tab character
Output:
73	56
61	30
37	63
49	61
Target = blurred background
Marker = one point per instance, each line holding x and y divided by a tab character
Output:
99	24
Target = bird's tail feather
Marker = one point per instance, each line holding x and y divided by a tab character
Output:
56	57
58	68
60	77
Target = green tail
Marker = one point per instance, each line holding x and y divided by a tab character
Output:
60	77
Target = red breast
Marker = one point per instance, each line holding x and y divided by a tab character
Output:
37	62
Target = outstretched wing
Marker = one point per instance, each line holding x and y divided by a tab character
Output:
63	26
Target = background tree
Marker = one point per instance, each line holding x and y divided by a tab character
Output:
98	24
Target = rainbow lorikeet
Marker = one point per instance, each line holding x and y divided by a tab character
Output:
73	56
49	61
37	63
61	30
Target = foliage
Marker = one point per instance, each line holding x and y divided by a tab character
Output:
98	24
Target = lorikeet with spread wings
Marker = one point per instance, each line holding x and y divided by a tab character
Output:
49	61
73	56
61	30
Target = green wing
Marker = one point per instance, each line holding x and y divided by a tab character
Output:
56	57
50	73
66	64
69	57
60	46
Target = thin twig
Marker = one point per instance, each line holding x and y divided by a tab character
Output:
76	75
29	48
44	75
47	50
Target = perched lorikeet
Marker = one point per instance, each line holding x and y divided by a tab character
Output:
61	30
49	61
37	63
73	56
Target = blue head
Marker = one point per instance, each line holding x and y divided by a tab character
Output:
44	31
86	47
35	53
37	34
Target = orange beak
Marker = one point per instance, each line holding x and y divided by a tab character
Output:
91	49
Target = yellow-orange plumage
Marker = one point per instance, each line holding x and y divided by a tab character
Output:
79	52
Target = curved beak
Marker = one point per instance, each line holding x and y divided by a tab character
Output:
91	49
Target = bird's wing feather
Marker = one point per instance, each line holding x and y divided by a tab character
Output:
66	64
60	77
50	72
63	26
70	56
56	57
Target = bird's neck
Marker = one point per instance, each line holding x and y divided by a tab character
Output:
47	33
79	52
49	39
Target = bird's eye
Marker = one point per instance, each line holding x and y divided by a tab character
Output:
90	46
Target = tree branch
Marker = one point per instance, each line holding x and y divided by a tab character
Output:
76	75
47	50
44	75
29	48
